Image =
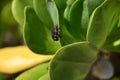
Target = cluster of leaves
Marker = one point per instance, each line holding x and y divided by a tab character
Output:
86	26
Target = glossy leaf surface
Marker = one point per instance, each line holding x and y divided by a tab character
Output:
37	35
73	62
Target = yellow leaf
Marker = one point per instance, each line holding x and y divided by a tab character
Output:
15	59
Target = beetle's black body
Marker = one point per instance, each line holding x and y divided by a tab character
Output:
55	33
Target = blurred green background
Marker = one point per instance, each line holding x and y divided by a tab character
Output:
10	31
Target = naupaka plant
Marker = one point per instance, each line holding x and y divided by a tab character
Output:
74	31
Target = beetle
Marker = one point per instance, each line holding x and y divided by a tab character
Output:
55	33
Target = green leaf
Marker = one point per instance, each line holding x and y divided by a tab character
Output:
66	37
45	11
67	9
37	35
53	11
74	20
77	14
103	19
92	4
119	22
88	8
18	9
113	41
35	73
73	62
45	77
61	5
42	11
